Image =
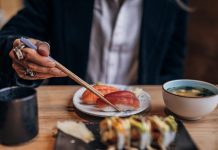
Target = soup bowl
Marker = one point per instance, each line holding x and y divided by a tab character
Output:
186	107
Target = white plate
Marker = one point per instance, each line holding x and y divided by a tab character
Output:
144	100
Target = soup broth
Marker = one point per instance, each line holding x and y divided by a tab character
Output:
190	91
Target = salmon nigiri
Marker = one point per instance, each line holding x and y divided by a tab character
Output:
90	98
125	100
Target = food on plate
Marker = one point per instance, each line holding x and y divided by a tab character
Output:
90	98
125	100
191	91
76	129
138	132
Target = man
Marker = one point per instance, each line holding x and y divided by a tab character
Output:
111	41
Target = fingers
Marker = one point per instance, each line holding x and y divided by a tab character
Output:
36	61
43	48
22	74
40	69
20	70
32	56
35	57
16	43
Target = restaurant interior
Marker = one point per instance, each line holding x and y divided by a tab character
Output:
176	115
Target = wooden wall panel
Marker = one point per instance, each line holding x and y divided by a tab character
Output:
202	59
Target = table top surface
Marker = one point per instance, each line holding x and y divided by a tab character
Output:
54	102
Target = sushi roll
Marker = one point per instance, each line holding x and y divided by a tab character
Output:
140	132
115	132
163	130
125	100
171	135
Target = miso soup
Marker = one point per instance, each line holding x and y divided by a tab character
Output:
190	91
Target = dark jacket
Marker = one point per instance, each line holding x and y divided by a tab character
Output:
66	25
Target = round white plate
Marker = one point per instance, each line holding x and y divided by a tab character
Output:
144	100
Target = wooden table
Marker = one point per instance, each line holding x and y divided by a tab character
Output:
54	101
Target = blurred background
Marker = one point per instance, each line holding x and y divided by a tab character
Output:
202	58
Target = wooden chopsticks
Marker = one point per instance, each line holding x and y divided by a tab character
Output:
70	74
83	83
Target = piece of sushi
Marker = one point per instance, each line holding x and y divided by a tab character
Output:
115	131
140	132
90	98
163	130
125	100
171	135
137	132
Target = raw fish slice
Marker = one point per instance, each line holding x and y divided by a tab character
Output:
125	100
90	98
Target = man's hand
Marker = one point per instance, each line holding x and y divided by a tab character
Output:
36	61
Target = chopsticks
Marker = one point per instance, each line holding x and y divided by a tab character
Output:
85	84
73	76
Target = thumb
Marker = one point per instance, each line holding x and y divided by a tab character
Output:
43	48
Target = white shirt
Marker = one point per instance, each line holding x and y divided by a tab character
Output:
114	43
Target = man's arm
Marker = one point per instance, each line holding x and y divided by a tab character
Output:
172	67
32	21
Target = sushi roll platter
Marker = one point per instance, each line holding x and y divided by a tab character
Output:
132	133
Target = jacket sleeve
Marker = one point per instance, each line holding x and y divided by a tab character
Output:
172	67
31	21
